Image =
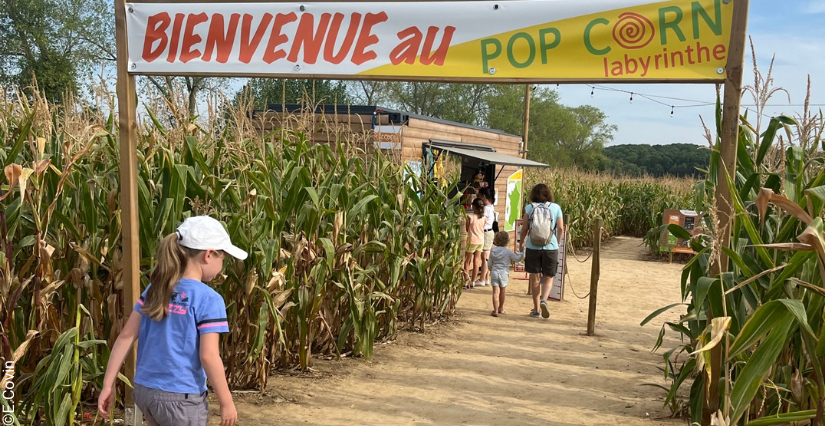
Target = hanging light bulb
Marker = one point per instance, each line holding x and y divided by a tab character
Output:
671	111
631	97
592	89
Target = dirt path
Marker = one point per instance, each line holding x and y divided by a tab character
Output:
511	370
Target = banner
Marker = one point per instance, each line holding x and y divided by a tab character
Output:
512	209
596	40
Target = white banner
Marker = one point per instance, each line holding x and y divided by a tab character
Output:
573	39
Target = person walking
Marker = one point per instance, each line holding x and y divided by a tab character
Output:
541	259
490	215
500	260
176	323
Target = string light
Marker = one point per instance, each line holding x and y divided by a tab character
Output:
691	102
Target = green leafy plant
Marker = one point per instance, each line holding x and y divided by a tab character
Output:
766	308
344	249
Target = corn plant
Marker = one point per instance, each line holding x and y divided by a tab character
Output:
343	249
627	206
59	378
766	309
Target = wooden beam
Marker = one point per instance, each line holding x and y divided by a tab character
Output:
724	197
595	271
431	79
527	96
127	105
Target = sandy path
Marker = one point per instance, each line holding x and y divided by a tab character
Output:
511	370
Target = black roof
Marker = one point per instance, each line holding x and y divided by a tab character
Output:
396	116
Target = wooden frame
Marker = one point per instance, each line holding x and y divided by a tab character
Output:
127	109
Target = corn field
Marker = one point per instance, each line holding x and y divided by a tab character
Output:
343	250
752	339
627	206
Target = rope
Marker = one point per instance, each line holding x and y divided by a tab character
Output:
570	282
567	271
571	250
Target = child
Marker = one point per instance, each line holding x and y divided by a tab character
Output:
500	259
176	322
475	241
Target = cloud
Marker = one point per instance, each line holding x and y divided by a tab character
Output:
814	6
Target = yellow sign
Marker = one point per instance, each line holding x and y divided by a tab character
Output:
677	40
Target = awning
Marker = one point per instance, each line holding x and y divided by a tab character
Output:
490	157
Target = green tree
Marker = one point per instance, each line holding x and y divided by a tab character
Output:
680	159
54	41
267	91
559	135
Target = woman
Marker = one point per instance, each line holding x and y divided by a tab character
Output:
541	261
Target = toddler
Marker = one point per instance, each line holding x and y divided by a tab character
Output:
500	260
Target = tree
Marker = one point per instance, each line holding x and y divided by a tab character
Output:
369	92
679	159
463	103
559	135
267	91
168	86
54	42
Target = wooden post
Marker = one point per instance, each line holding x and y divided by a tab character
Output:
594	276
127	105
724	197
527	94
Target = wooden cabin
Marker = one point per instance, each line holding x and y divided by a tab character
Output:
417	140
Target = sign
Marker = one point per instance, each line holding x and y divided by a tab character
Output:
688	220
557	292
609	40
413	168
387	137
512	209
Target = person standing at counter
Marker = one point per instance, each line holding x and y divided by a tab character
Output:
490	217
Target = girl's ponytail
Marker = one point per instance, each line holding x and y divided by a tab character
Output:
171	262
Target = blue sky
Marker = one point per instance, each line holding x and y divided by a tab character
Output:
792	30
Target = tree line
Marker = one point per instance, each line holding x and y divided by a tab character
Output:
678	159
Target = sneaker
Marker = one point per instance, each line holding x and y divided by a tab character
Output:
481	283
534	313
545	312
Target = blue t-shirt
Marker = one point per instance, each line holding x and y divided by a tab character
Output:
168	354
555	210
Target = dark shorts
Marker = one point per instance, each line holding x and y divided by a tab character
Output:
544	262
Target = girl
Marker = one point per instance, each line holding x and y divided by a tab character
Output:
176	322
475	241
500	259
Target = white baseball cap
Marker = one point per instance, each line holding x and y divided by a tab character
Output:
205	233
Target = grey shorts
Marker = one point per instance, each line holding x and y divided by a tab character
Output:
499	278
162	408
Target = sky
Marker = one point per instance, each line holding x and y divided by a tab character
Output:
792	30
